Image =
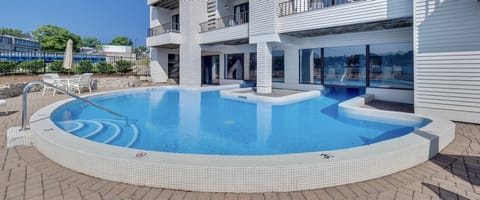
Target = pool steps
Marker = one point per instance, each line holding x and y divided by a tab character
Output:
78	128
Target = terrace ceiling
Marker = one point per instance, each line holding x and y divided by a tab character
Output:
168	4
369	26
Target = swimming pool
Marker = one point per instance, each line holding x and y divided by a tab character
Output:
197	141
202	122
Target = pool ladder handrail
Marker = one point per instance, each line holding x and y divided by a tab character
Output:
26	89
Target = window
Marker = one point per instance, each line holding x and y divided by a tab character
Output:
253	67
278	66
174	67
311	66
176	22
345	66
234	66
241	13
391	65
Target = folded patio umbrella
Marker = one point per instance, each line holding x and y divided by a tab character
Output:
68	57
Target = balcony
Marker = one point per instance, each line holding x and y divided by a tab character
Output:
166	35
298	6
309	18
225	29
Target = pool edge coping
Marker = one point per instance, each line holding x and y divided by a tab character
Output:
279	173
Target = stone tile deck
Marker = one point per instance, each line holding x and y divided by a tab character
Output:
27	174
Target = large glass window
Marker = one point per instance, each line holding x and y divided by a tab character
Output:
345	66
253	67
234	66
391	65
174	67
310	66
278	66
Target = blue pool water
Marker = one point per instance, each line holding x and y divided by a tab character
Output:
204	123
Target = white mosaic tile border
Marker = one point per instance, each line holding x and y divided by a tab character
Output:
236	94
210	173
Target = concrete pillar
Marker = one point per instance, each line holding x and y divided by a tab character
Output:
159	64
222	66
264	68
192	13
292	70
246	66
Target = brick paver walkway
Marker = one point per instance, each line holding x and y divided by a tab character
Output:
27	174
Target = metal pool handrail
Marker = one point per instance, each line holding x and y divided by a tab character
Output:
25	106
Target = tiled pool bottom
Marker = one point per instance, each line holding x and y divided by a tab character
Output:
235	173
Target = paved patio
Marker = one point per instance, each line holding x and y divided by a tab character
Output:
27	174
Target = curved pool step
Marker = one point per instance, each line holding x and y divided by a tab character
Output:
65	124
134	135
99	127
115	134
107	131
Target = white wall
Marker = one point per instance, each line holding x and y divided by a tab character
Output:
163	39
160	16
263	17
116	49
159	64
447	59
393	95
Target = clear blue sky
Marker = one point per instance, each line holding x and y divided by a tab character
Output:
103	19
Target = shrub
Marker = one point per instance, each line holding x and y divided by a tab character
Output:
104	68
33	66
7	66
56	66
84	66
123	66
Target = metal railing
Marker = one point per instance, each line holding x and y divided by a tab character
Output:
164	28
290	7
228	21
26	89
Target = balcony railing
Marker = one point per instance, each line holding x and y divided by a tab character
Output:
228	21
164	28
290	7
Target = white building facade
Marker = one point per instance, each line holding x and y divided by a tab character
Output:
425	52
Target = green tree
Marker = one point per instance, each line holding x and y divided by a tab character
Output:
54	39
14	32
121	40
141	49
91	42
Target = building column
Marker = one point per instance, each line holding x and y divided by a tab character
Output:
159	64
246	66
264	68
192	14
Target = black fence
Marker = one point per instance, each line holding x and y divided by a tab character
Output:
46	62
